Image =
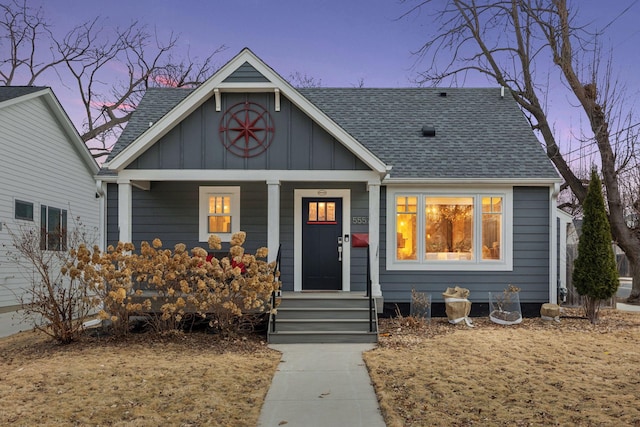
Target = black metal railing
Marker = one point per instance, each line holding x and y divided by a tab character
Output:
369	291
276	277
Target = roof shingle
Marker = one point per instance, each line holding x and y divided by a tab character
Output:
479	134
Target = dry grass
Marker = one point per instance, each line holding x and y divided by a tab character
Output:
179	380
534	374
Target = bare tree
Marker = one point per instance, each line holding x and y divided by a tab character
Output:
303	80
522	45
109	68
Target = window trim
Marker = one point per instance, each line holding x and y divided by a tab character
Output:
15	210
477	264
45	240
204	192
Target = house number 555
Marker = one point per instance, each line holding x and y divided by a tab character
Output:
360	220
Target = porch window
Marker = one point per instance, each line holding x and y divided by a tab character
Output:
435	230
219	212
53	229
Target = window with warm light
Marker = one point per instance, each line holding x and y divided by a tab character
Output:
322	212
436	230
491	227
449	228
219	212
406	220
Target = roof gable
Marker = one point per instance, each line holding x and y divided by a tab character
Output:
13	92
9	95
244	73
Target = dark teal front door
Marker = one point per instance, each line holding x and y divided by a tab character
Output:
321	240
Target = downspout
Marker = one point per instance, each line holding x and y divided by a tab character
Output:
553	242
102	213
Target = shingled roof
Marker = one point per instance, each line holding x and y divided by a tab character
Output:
479	134
11	92
155	103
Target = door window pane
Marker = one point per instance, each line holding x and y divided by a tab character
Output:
322	212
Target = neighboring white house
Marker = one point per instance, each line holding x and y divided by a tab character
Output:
46	181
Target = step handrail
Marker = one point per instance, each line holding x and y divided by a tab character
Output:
369	290
276	270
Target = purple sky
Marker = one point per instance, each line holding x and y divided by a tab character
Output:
339	42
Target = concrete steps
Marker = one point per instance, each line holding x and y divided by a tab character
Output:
322	318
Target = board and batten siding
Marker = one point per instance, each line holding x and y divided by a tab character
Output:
530	259
169	211
39	165
298	142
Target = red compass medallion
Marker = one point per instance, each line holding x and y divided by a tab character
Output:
246	129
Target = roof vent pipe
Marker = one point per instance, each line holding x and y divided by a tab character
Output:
501	91
428	130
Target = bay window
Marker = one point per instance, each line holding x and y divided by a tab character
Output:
438	230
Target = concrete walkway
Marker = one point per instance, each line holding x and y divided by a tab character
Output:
628	307
321	385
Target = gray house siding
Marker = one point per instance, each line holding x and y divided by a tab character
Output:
298	142
530	258
169	211
246	74
111	230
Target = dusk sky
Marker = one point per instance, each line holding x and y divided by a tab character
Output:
340	42
337	41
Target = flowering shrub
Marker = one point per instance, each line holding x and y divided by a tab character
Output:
175	283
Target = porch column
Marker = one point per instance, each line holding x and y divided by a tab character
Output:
374	237
124	211
273	218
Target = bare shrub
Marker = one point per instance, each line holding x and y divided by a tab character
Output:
54	299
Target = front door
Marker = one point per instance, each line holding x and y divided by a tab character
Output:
321	243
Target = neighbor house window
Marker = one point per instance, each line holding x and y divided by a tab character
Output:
53	229
434	230
219	212
24	210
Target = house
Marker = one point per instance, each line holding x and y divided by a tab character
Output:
447	186
47	180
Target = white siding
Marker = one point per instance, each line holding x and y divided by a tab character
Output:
38	164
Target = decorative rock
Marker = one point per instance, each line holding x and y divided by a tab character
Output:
550	311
